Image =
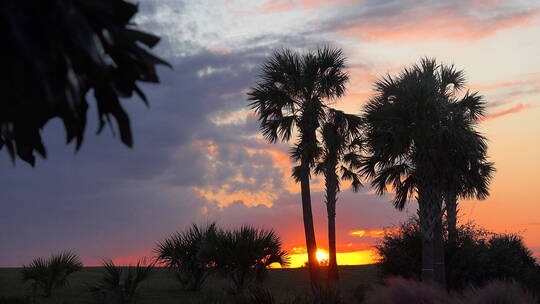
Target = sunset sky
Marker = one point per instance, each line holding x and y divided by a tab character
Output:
198	156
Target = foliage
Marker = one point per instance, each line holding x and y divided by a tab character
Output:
290	98
477	257
499	292
243	255
181	253
416	125
14	300
46	275
121	284
402	291
56	52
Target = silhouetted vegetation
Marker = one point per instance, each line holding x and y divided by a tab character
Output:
58	52
244	254
241	255
477	257
421	137
181	252
47	274
120	285
340	160
291	97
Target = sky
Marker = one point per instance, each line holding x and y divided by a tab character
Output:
198	156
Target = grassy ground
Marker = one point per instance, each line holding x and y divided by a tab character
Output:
162	288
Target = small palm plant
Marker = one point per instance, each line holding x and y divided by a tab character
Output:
180	252
121	284
46	275
243	255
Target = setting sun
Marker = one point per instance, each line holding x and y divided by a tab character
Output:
322	256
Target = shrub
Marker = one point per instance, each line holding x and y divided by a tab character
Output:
477	257
46	275
121	284
14	300
181	253
243	255
259	295
402	291
498	292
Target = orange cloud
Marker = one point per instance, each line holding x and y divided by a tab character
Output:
447	24
376	233
277	6
515	109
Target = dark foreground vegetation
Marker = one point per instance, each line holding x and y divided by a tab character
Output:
207	264
358	284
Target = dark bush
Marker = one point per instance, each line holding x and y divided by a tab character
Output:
46	275
498	292
477	257
243	255
402	291
181	253
121	284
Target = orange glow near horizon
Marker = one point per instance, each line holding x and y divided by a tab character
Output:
361	257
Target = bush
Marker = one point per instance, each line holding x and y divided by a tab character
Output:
243	255
121	284
402	291
477	257
46	275
499	292
181	253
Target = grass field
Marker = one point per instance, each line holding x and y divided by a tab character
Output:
162	288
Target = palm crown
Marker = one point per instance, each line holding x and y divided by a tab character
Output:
292	93
420	131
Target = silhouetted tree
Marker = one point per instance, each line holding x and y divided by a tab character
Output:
120	285
340	161
181	253
243	255
55	53
46	275
413	140
471	173
290	99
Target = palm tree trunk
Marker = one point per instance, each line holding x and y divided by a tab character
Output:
438	248
426	212
451	216
309	229
331	198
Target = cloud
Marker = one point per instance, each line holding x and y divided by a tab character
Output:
411	21
288	5
515	109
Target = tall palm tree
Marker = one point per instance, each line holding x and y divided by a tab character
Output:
340	161
410	136
471	173
289	99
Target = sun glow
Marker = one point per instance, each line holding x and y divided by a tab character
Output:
322	256
361	257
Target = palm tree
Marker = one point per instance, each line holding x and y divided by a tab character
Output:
121	284
49	274
471	173
289	99
55	53
243	255
181	253
410	136
340	161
